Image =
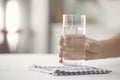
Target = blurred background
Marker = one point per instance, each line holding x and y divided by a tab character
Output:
34	26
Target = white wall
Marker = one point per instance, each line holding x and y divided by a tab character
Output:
39	25
112	10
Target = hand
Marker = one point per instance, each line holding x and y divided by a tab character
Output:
90	48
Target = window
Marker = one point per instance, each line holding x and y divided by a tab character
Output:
1	22
12	16
12	23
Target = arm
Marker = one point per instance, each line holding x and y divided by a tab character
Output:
106	48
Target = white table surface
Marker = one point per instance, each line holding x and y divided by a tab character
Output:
16	67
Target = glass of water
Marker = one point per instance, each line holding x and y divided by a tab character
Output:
74	39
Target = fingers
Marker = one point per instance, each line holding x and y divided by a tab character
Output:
61	41
60	60
60	53
60	56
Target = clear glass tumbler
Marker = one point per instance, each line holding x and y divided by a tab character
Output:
74	29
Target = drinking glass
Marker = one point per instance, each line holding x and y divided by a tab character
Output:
74	29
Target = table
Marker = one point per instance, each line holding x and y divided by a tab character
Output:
16	67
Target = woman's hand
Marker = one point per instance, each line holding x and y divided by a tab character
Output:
90	48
